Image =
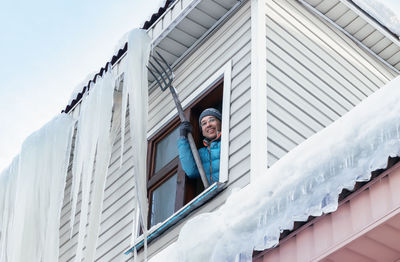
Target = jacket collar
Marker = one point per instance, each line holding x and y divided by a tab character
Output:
207	142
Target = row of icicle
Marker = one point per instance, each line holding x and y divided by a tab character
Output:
32	187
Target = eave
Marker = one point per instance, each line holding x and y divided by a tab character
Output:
186	24
177	30
365	227
362	28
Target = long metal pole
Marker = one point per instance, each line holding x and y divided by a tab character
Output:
195	153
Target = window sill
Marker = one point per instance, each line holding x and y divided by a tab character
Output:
160	228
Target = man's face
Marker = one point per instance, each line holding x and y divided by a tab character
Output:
210	127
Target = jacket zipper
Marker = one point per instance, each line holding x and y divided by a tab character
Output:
209	154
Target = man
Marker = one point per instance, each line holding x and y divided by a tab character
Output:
210	124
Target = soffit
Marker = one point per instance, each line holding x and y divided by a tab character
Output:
362	27
185	24
175	30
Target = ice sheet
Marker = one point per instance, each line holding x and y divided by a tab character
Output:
136	92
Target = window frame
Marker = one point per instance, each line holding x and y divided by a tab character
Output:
160	131
225	73
155	179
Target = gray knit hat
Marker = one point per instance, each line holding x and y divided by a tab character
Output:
210	112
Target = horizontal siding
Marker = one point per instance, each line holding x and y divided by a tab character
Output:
171	235
118	209
315	74
230	42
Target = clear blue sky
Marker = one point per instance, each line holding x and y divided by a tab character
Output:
49	47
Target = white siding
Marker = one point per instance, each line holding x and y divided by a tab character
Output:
118	209
314	75
230	42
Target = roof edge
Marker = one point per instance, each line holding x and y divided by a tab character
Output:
346	195
116	57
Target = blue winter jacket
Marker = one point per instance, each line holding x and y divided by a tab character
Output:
209	156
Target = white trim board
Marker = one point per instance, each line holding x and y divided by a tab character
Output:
258	133
224	72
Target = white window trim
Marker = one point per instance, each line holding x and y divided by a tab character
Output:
224	72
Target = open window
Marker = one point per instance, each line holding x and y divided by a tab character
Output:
169	189
172	195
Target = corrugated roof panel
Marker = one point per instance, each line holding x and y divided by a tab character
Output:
326	5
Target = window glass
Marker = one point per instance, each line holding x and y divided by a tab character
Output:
166	149
163	200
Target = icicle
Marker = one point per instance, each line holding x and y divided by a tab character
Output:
103	154
77	164
136	90
7	213
124	106
35	194
93	146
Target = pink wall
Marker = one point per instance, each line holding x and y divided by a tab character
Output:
364	228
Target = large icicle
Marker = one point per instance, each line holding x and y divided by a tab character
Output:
136	91
305	182
34	195
103	154
7	181
91	159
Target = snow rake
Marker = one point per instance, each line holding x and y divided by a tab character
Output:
164	80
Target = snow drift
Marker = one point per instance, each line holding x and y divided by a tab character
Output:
305	182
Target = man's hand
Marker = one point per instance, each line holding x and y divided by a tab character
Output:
184	128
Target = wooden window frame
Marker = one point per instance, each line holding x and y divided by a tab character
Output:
186	189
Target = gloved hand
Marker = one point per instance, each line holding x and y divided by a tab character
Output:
184	128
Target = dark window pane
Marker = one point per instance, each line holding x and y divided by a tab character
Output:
166	149
163	201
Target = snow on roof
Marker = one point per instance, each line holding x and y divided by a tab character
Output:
382	13
305	182
119	49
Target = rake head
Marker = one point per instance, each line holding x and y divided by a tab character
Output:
163	73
